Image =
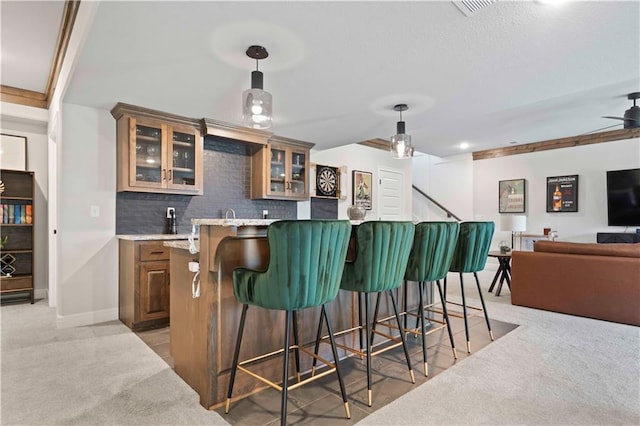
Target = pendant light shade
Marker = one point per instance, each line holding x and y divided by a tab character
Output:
401	142
256	103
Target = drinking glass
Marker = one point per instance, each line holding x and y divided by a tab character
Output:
186	156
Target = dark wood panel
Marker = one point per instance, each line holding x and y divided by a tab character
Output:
153	251
16	283
154	291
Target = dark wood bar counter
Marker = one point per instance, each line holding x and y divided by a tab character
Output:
204	327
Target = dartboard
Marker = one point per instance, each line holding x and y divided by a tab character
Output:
326	181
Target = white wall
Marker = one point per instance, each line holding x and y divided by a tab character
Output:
449	181
88	248
29	122
360	157
589	162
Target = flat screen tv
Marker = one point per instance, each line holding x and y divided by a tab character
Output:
623	197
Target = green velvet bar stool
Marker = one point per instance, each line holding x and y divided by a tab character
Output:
306	261
429	261
382	251
472	249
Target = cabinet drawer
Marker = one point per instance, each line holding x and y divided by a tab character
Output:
153	251
16	283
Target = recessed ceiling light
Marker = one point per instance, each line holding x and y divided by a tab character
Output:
552	2
464	145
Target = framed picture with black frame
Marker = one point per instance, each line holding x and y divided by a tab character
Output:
511	196
362	189
562	194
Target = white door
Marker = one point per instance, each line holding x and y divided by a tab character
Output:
391	199
52	192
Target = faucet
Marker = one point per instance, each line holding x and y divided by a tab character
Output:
226	214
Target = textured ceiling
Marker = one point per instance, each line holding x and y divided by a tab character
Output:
512	72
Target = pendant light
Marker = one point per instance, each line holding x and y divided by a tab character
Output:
401	142
256	103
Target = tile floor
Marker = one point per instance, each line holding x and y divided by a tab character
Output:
320	403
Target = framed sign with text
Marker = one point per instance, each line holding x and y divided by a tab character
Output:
562	194
511	196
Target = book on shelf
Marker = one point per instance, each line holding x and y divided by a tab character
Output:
11	212
29	214
16	214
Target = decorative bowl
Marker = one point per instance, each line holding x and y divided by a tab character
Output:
356	212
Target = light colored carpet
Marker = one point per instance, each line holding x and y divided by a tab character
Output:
553	369
96	375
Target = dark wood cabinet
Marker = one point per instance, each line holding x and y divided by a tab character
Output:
158	152
280	170
144	284
16	233
154	290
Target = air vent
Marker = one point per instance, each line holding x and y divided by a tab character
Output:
471	7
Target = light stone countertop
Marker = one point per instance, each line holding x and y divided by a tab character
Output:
181	244
233	222
151	237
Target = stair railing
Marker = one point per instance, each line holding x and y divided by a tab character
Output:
443	208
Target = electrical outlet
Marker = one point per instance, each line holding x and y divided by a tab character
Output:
169	210
265	214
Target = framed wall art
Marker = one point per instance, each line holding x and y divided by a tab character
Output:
562	194
511	196
13	152
362	189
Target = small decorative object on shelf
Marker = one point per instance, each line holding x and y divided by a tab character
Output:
356	212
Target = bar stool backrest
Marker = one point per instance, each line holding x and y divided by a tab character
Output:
472	248
306	260
432	252
382	251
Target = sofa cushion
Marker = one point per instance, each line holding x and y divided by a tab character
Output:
618	250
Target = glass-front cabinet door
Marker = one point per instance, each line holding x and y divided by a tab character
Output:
183	161
277	177
147	151
298	160
286	169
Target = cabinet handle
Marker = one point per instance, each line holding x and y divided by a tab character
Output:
157	252
164	174
170	174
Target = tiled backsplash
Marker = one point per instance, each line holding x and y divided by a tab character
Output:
227	184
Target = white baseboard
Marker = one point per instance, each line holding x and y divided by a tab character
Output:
87	318
41	293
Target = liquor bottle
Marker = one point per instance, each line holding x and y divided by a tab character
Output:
557	199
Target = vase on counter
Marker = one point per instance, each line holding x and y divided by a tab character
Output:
356	212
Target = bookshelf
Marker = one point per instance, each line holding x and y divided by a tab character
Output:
16	233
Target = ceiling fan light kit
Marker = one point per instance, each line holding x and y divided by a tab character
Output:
401	142
257	104
631	117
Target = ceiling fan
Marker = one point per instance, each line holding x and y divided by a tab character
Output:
632	115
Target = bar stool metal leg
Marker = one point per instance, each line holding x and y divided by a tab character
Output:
285	369
296	351
421	314
484	309
464	314
335	360
236	354
446	318
367	325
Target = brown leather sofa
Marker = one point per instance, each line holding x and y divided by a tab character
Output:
600	281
